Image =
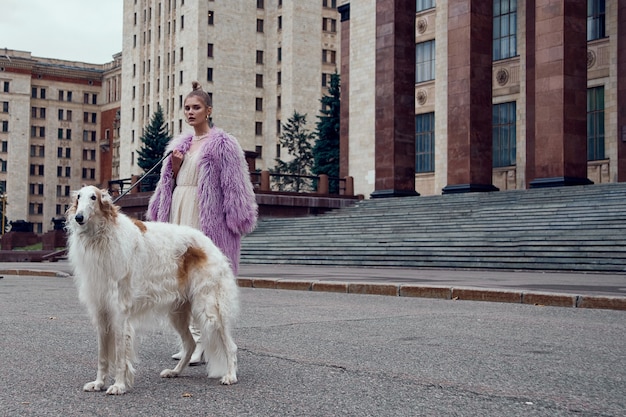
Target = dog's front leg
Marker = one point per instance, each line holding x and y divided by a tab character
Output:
124	353
104	344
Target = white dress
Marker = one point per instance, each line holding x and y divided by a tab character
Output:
185	208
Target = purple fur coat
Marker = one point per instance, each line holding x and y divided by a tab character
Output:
228	208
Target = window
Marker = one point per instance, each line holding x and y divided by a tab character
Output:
259	4
329	25
69	96
258	128
68	115
89	173
279	54
5	126
61	114
259	25
596	19
425	61
182	51
94	99
259	104
5	87
325	80
278	102
210	18
61	95
42	93
504	29
86	98
280	22
259	80
425	142
209	50
182	22
422	5
595	123
504	134
328	56
332	4
5	107
209	75
259	57
279	78
33	92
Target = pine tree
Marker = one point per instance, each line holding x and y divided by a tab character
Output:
296	138
155	139
326	148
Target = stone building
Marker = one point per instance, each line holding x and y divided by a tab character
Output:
49	139
260	61
474	95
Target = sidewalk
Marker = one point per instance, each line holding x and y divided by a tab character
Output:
562	289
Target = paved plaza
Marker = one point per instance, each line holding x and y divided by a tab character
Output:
320	353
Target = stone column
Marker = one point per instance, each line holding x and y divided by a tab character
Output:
344	112
560	93
470	59
395	99
530	93
621	91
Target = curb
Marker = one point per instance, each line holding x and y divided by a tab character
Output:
539	299
34	272
408	290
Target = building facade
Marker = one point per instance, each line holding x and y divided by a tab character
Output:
259	60
507	94
49	140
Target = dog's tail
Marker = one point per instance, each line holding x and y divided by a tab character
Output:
220	315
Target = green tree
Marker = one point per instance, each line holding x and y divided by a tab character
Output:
155	139
326	148
297	139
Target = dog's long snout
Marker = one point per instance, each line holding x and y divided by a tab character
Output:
79	218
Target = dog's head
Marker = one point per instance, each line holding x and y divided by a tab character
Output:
90	206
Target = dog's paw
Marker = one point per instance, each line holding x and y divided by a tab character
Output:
228	380
169	373
93	386
116	389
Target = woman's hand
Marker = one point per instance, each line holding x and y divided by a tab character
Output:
177	161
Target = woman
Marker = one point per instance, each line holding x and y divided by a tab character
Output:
205	183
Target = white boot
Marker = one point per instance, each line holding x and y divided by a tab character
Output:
197	355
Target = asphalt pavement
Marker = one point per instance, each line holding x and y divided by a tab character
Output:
322	353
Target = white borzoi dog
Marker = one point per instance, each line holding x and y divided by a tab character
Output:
127	270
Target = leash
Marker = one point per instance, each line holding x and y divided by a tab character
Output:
142	177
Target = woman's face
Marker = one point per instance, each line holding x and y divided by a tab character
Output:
196	112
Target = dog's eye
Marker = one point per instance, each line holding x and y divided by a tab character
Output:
93	197
78	196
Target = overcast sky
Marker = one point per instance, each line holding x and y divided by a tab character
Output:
77	30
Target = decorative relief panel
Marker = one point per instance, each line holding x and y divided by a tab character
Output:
598	59
425	97
506	77
425	25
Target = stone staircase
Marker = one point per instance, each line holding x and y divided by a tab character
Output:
580	228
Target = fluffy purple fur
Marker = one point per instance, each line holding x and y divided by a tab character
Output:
228	208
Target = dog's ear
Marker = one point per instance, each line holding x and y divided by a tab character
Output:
106	204
71	210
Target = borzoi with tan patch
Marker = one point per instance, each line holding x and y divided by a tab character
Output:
127	270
